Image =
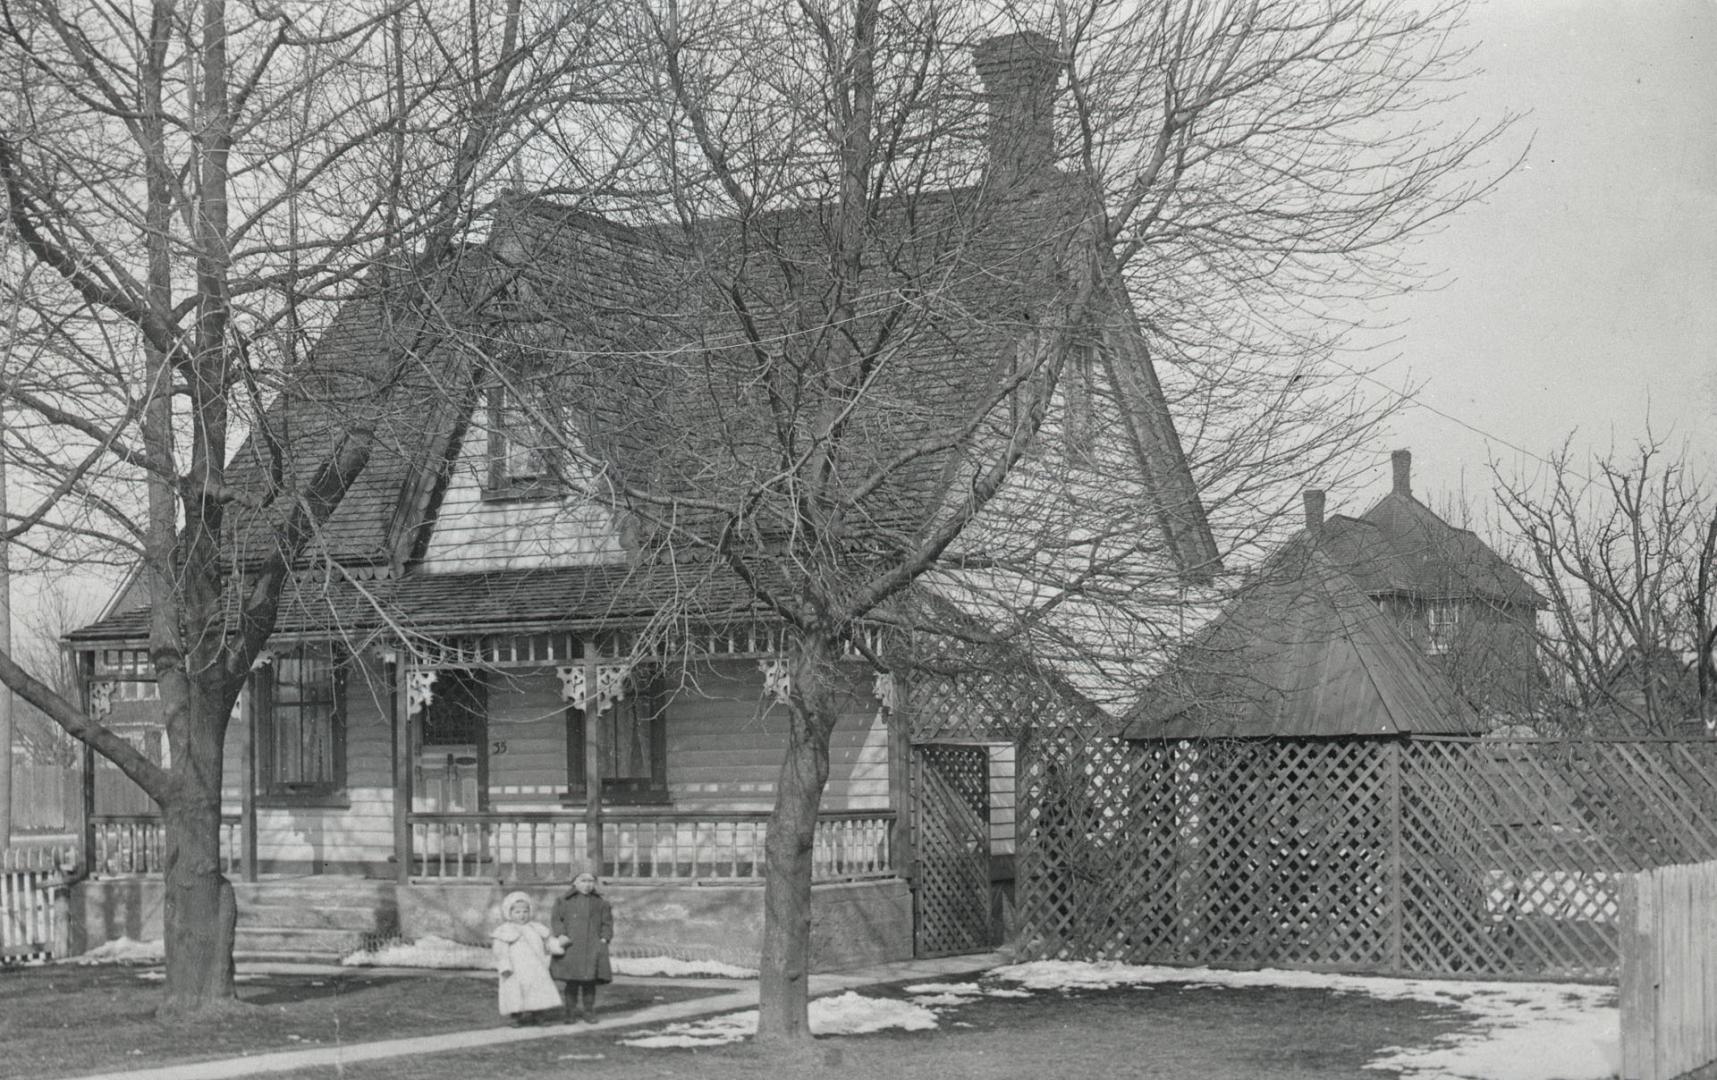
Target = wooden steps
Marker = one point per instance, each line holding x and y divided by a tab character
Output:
312	917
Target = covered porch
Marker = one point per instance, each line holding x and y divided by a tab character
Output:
513	757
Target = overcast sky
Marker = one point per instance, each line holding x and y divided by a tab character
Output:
1582	296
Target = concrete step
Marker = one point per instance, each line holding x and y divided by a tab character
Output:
252	941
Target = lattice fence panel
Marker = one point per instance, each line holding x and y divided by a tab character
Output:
1432	856
984	704
952	898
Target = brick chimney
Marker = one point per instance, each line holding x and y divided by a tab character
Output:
1403	462
1314	499
1020	73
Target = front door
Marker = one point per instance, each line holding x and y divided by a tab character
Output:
453	746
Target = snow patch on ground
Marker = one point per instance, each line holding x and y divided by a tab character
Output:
850	1013
640	966
426	952
441	953
123	951
1520	1031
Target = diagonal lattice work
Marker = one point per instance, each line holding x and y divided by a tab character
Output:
952	911
1421	856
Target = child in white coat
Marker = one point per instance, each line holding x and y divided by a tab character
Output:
522	949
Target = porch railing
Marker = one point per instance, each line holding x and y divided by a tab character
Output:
669	846
128	845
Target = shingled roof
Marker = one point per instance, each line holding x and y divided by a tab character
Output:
1400	547
1301	652
661	343
319	605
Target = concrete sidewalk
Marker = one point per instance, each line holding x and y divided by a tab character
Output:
743	995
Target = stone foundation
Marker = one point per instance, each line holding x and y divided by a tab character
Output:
852	923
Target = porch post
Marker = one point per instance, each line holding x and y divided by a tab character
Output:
247	779
899	776
402	770
592	762
86	680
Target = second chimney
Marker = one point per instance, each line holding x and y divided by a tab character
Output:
1314	498
1020	73
1403	462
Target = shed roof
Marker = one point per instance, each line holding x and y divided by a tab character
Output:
1302	652
317	604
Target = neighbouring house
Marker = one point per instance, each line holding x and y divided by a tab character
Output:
1454	599
454	700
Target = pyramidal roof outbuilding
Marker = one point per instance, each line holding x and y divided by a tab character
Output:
1301	652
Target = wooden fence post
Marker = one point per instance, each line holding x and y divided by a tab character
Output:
1396	893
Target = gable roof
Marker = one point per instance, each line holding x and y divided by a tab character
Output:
382	365
1301	652
679	346
666	348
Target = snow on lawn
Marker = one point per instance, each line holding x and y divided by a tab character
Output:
436	952
844	1014
1520	1031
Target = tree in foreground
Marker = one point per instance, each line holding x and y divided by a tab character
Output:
1624	546
191	189
889	374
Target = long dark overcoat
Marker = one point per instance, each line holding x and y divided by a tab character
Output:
588	922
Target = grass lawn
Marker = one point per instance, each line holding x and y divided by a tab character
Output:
66	1020
1168	1031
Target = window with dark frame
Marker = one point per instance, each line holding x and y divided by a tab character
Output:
522	458
634	743
301	719
1443	622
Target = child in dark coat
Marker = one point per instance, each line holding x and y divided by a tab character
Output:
583	924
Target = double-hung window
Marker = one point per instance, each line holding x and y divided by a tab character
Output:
523	457
632	748
301	720
1443	623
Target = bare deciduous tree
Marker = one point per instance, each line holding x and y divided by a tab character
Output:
904	385
191	189
1625	550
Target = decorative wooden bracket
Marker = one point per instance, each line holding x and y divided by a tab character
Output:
882	688
419	690
777	679
611	685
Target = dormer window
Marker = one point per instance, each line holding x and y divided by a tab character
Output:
523	458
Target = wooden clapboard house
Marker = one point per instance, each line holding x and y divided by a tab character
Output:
454	698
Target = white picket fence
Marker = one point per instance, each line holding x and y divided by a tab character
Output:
32	926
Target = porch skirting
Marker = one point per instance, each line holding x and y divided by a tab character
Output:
852	923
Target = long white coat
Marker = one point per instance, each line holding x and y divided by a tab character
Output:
522	956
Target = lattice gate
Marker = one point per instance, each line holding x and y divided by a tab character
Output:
951	838
1422	856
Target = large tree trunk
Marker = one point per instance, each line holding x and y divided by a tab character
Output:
201	913
783	990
